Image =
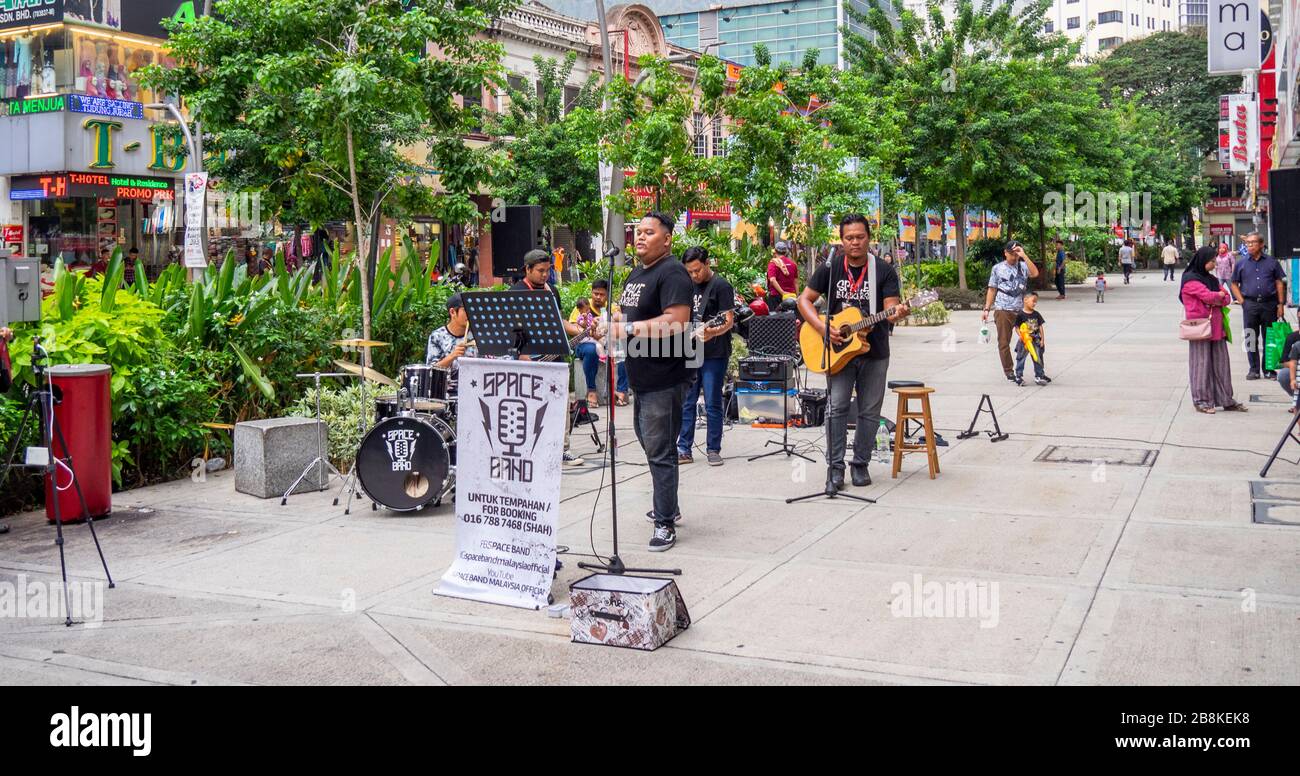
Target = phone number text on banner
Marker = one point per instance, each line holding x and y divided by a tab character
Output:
509	448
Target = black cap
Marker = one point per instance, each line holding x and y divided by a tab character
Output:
454	302
1011	246
535	256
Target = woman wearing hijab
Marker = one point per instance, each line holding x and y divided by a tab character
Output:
1203	297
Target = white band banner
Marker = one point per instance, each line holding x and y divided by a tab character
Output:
196	191
509	451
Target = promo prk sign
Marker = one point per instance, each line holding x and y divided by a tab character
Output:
509	450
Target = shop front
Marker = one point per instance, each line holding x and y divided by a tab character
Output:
88	173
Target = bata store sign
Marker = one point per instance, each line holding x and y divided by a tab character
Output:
67	185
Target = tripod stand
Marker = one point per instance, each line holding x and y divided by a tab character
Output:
41	401
579	414
784	445
615	565
321	462
831	491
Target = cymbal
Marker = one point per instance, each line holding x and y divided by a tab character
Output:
360	343
366	372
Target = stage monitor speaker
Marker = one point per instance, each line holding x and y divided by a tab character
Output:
512	238
775	335
1284	203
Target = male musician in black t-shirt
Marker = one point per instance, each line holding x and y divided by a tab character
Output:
655	319
714	296
866	372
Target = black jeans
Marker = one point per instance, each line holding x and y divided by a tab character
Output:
1258	317
1128	270
1060	282
657	419
1169	272
867	377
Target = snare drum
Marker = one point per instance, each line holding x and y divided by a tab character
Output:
388	406
423	381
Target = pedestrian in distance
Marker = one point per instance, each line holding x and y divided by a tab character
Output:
1008	282
1060	269
1169	257
1101	288
1126	259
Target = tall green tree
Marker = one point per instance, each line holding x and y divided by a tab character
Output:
328	103
1165	72
982	94
650	128
551	150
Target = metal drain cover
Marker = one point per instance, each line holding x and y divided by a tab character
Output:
1275	513
1256	398
1111	456
1265	490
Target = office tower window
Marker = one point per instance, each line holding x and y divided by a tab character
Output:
1072	23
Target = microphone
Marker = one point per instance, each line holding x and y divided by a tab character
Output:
612	251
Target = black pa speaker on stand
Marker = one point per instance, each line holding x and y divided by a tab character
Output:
1284	203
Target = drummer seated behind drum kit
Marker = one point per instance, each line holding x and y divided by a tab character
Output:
407	459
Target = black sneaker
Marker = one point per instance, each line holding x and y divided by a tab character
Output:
1017	380
1012	378
1252	375
663	539
650	517
1046	379
861	478
1041	380
1270	375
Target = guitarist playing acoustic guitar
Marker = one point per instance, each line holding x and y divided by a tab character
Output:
865	372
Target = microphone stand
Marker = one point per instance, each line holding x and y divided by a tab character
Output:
615	564
830	492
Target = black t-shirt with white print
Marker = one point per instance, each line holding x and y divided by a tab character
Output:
711	300
853	288
646	294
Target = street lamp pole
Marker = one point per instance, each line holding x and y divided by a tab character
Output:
195	152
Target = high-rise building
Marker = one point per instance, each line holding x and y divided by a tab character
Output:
1105	24
789	28
1193	13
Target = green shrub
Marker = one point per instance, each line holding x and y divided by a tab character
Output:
342	410
933	314
1075	272
955	298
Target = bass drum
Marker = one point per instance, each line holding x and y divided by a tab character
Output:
408	462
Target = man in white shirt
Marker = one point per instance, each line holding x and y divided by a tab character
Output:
1169	256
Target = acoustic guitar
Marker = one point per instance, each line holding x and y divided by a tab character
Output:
849	321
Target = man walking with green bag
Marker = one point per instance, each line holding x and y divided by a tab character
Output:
1258	284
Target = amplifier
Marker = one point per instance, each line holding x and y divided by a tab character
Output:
766	368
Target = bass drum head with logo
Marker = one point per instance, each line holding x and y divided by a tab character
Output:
404	462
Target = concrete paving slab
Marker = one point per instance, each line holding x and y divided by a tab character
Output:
1145	638
1068	550
840	616
1202	557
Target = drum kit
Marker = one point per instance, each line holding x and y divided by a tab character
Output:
407	457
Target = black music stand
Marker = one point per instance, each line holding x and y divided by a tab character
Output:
516	323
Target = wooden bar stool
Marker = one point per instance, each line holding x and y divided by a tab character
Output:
905	413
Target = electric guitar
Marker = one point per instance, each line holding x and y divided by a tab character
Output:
741	313
849	321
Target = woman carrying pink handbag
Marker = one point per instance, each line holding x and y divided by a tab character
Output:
1203	301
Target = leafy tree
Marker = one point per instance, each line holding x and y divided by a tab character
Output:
649	129
987	119
551	154
325	104
1166	72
